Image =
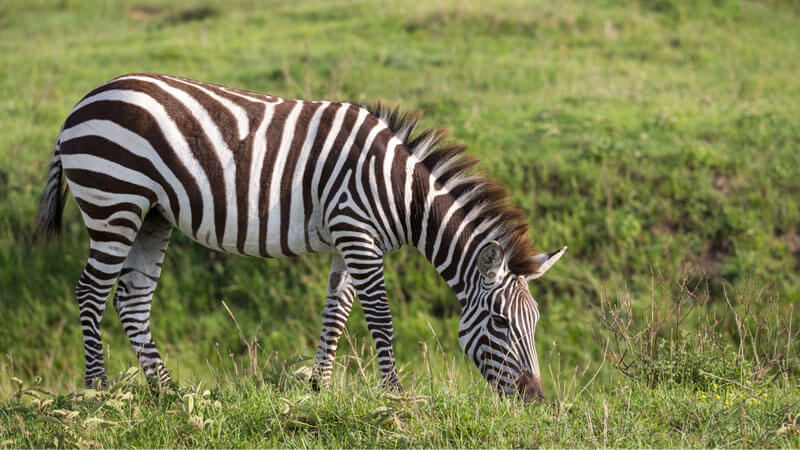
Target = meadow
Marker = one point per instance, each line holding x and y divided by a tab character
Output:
658	139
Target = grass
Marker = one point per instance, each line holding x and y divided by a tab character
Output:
657	138
273	406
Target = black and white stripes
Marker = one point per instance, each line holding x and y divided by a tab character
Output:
257	175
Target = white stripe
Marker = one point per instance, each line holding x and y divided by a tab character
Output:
391	149
362	114
385	229
103	225
101	198
363	154
297	227
115	170
242	120
259	151
274	208
254	97
411	164
336	127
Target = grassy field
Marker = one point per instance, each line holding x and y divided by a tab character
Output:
659	139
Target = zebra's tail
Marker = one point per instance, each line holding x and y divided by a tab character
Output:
54	196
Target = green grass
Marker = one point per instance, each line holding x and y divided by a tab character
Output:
440	409
657	138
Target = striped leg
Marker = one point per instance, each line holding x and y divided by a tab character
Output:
366	271
92	292
94	285
338	303
137	283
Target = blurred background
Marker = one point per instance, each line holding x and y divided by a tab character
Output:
657	138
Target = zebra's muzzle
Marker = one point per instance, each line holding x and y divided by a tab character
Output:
529	387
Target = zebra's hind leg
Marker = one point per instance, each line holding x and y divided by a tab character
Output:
106	255
338	303
137	282
92	291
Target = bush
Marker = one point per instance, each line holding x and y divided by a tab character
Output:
657	346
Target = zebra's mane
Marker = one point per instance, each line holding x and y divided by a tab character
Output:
483	197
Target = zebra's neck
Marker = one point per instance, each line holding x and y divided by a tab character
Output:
404	201
444	209
448	228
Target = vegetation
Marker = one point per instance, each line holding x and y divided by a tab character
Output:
657	138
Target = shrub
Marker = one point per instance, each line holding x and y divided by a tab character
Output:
746	339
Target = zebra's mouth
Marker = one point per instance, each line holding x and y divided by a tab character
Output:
529	387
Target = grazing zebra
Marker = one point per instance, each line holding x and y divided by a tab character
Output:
258	175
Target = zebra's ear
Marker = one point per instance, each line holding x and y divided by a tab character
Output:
490	259
545	261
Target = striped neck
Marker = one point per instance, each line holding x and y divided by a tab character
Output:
450	211
448	230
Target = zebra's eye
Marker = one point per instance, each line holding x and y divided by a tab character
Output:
500	321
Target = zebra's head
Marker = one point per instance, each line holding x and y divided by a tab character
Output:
499	319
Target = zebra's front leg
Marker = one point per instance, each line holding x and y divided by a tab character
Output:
338	303
366	271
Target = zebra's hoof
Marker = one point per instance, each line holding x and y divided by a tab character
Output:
393	386
97	382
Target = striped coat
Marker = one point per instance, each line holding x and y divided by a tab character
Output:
264	176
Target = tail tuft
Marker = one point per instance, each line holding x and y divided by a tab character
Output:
54	196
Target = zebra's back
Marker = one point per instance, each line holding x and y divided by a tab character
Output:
237	171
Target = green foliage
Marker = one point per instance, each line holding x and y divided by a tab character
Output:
678	361
656	138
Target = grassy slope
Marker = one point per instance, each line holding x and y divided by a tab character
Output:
650	137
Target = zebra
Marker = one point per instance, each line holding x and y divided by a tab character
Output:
257	175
